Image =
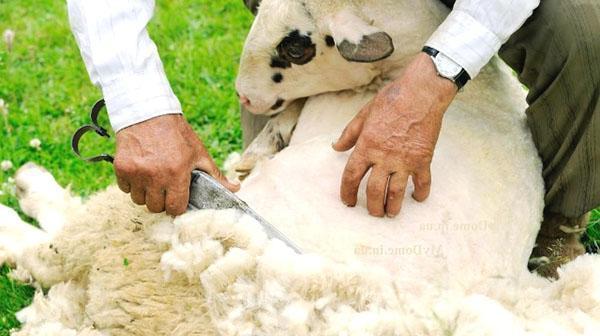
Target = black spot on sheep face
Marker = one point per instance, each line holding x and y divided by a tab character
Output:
296	48
329	41
278	104
277	77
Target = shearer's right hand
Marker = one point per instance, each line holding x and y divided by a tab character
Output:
154	161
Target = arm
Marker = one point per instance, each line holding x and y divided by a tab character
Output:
395	134
122	59
475	30
156	148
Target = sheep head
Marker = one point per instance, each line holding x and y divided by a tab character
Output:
297	49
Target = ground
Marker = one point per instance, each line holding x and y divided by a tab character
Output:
48	93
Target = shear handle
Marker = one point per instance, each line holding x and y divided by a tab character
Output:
101	131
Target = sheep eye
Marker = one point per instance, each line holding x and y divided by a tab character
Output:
296	51
296	48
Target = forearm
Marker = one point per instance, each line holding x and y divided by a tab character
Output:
476	29
122	59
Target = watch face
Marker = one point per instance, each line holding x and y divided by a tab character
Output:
446	67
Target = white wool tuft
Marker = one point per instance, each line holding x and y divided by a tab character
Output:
579	285
59	312
190	258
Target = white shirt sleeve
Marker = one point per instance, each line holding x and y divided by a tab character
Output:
122	59
476	29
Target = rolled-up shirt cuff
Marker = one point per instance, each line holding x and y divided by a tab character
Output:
136	98
466	41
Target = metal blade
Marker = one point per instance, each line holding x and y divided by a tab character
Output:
207	193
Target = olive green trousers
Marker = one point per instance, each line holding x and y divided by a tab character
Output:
556	54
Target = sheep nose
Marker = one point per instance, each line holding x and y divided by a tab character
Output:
244	100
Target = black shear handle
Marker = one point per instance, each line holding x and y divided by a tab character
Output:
101	131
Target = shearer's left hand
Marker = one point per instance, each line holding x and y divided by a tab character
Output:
395	135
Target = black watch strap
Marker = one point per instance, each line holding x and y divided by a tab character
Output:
461	79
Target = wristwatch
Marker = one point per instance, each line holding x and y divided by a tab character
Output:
447	68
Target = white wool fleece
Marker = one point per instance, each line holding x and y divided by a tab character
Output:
248	285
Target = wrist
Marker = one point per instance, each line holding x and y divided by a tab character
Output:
435	82
161	121
447	68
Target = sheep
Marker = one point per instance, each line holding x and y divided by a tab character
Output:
115	269
485	160
339	44
455	264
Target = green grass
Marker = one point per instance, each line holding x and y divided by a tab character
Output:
14	297
49	93
594	231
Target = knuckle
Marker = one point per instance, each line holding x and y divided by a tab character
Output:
392	195
396	193
352	174
124	168
179	186
173	167
400	192
372	191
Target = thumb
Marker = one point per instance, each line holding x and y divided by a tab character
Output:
351	133
208	166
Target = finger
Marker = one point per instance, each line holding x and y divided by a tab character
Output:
138	194
155	200
355	170
395	193
122	171
350	134
178	196
208	166
376	187
123	185
422	182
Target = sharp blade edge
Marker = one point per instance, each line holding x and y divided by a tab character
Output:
207	193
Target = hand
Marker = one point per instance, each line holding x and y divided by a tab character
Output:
154	161
395	135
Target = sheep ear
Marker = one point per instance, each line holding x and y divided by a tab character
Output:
358	41
252	5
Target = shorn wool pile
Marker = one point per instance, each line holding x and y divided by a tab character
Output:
114	269
453	265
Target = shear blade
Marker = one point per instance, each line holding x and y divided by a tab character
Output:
207	193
